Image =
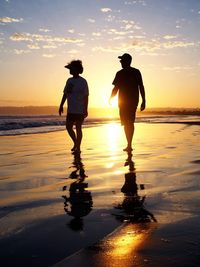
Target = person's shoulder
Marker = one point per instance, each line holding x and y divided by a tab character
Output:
120	72
83	80
70	79
137	71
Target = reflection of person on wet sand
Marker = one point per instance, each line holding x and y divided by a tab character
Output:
76	92
128	82
129	162
79	167
79	202
133	204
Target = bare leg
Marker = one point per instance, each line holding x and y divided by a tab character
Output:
129	131
79	135
69	127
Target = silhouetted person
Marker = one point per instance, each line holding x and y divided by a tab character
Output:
128	84
76	92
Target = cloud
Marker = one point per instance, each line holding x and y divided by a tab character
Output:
80	44
71	30
152	47
91	20
168	37
177	68
153	54
21	51
96	34
130	24
33	46
170	45
49	46
116	32
38	41
48	55
141	2
139	37
116	49
110	18
43	38
105	49
117	38
106	9
5	20
20	37
73	51
44	30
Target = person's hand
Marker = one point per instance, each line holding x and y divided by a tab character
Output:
110	101
60	110
85	114
143	106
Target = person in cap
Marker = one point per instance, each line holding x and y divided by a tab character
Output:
128	84
76	93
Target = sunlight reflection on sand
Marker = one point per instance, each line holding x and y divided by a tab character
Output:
35	169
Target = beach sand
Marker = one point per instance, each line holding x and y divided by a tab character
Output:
64	210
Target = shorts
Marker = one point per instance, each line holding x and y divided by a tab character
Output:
73	117
127	115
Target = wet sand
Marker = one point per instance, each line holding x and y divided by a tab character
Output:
60	209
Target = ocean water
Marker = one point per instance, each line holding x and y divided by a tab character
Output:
16	125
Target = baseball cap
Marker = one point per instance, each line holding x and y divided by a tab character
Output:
125	56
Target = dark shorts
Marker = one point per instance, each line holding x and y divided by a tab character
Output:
127	115
72	117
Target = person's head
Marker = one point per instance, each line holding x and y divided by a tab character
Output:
125	60
75	67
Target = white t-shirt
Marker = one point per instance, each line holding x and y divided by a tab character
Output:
76	89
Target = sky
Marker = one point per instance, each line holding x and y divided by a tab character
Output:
37	38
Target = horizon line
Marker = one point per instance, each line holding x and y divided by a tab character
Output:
56	106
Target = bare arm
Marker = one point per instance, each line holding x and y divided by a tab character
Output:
86	106
61	104
113	93
142	93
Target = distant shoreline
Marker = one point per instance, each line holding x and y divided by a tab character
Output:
94	112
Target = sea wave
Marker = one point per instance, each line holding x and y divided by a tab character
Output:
15	125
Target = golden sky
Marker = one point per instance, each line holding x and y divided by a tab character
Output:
37	38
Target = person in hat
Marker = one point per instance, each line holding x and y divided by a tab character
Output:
76	93
128	84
